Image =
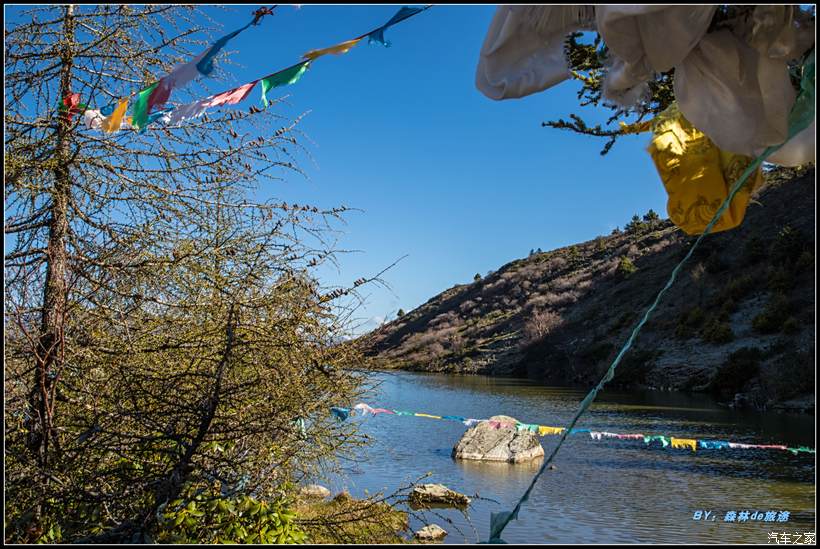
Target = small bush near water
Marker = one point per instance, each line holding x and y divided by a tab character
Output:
739	367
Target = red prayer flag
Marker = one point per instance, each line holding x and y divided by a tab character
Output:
234	96
70	105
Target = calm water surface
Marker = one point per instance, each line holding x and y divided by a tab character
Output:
601	491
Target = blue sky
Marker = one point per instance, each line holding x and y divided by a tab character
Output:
457	182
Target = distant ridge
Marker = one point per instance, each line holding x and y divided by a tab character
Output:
739	321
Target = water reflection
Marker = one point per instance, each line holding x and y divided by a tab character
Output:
495	471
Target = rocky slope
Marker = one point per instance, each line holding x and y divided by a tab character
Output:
739	321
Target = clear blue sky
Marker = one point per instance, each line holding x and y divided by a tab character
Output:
457	182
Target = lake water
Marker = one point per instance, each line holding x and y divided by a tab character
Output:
601	491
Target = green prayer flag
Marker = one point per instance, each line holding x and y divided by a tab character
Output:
139	114
282	78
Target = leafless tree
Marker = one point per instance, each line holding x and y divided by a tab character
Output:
539	325
164	332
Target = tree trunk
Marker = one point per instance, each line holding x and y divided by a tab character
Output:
50	356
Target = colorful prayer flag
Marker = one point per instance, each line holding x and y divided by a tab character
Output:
340	413
234	96
544	430
70	106
149	100
108	109
378	34
113	122
338	49
201	64
206	64
164	115
139	113
684	443
284	77
177	78
198	108
92	119
189	110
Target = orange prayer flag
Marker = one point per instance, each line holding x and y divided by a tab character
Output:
113	122
338	49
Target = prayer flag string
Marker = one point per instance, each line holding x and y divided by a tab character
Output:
147	107
363	409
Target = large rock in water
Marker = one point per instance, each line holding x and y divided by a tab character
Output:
485	442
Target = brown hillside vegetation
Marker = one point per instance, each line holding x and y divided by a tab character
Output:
739	320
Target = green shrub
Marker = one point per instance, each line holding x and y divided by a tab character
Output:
739	287
791	326
682	331
737	369
717	331
694	316
796	375
725	312
626	267
689	322
781	278
773	316
805	261
651	218
635	225
754	250
788	245
241	519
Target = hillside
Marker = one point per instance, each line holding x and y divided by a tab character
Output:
739	320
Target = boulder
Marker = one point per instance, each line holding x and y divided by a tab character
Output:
486	442
437	494
314	491
431	532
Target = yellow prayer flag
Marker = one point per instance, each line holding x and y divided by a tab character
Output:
544	430
697	175
690	443
338	49
428	415
113	122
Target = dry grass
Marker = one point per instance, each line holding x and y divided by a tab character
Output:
347	520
